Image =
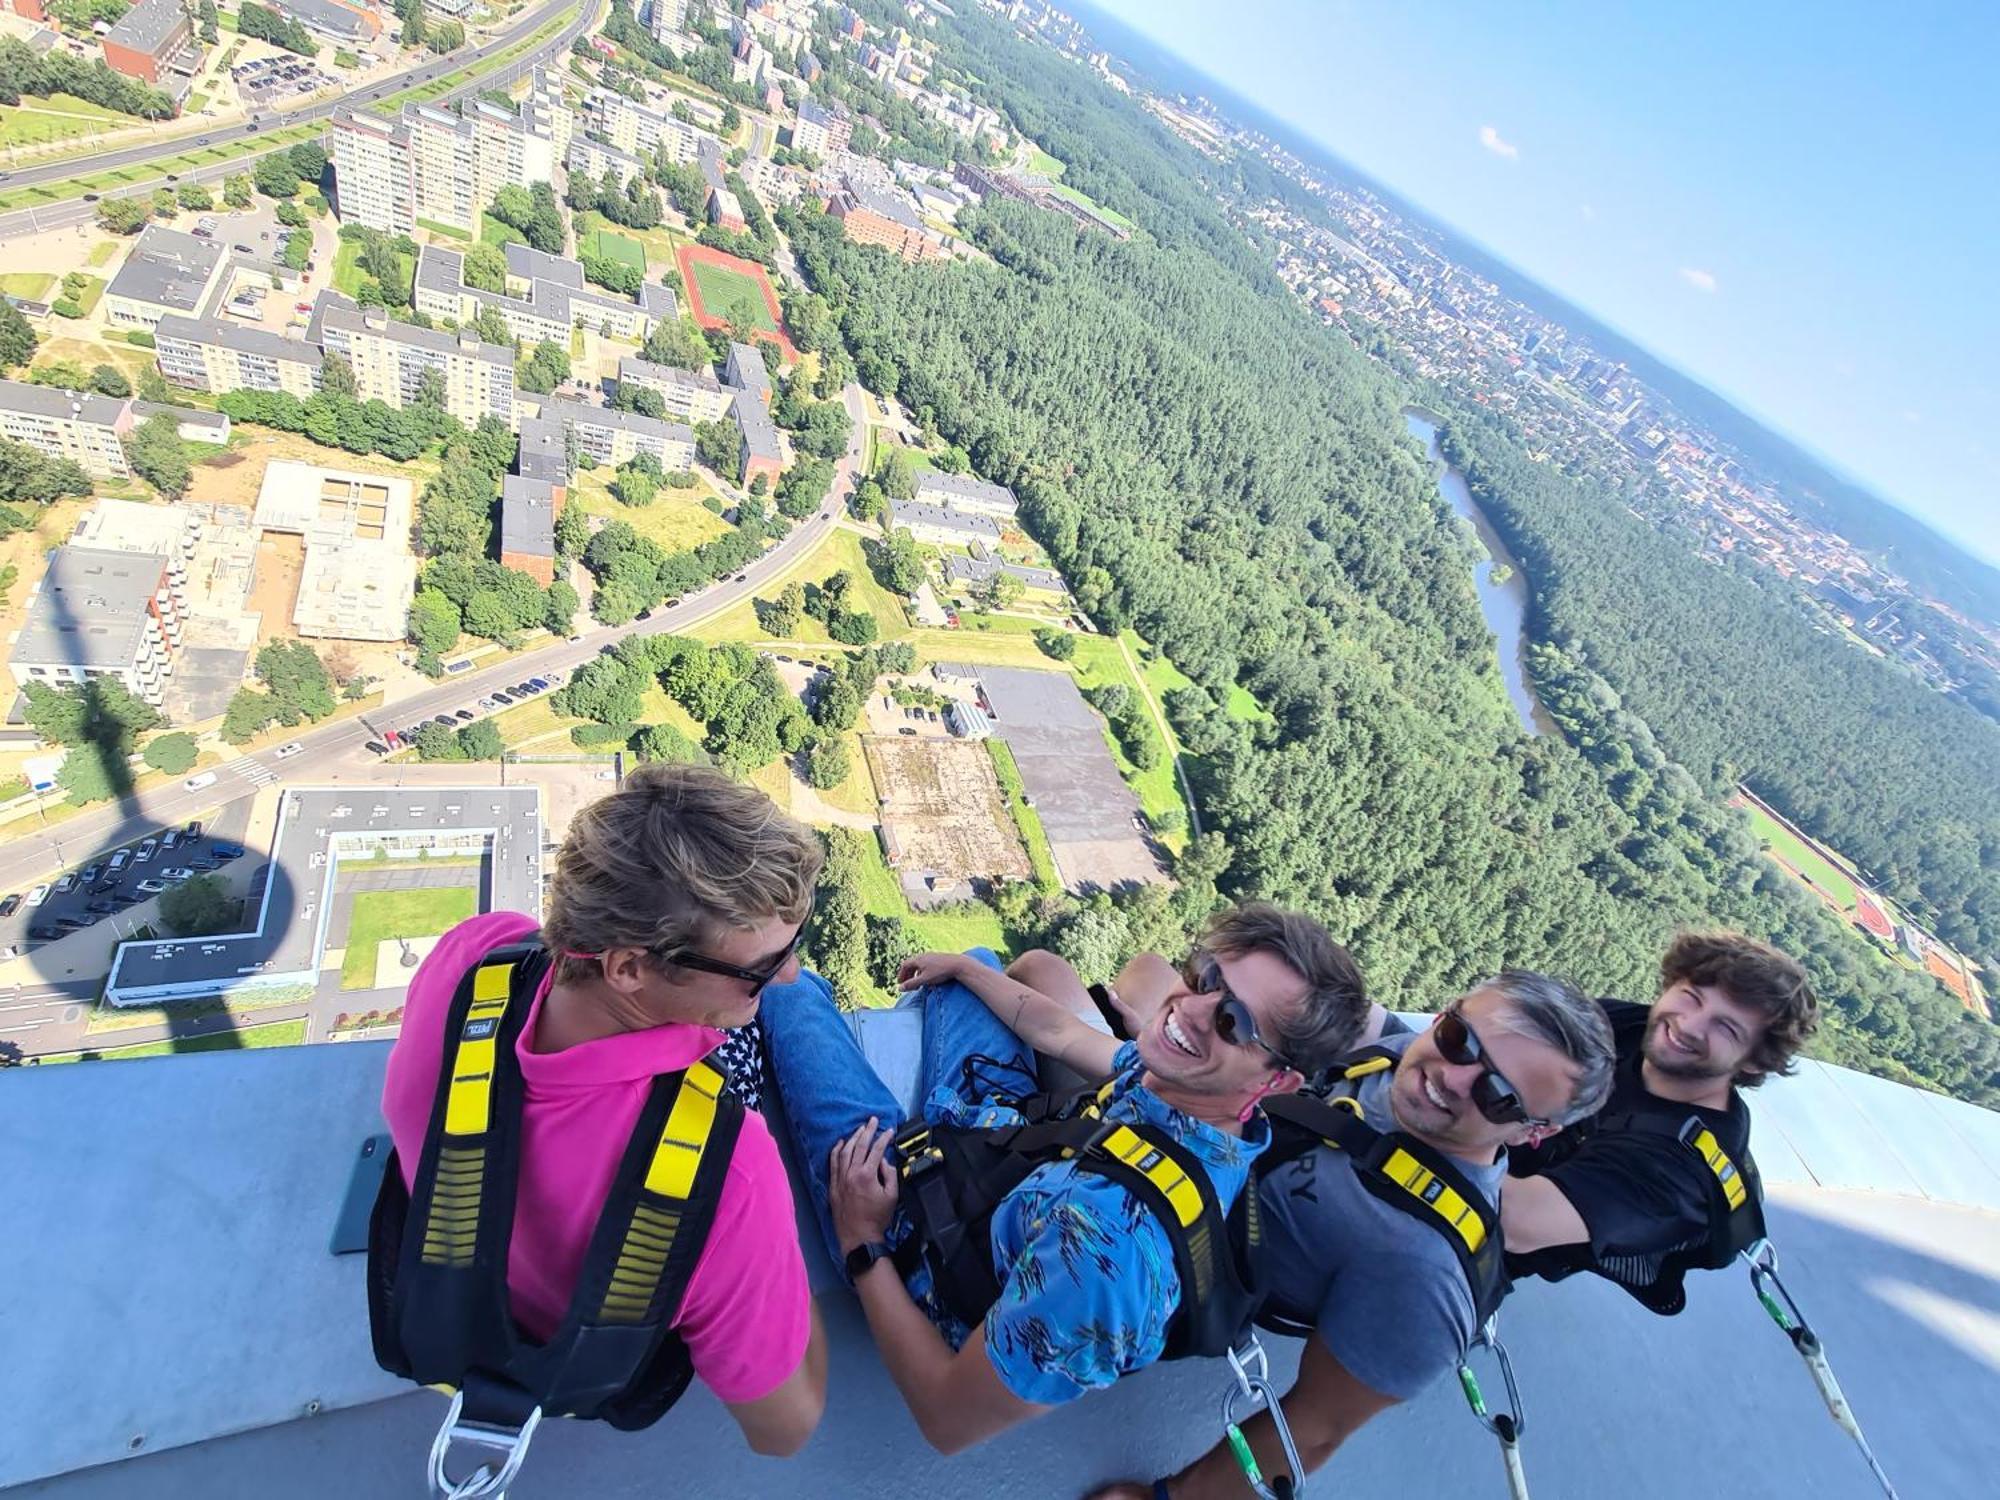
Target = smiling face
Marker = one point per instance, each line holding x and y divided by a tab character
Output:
1697	1032
1431	1096
1182	1048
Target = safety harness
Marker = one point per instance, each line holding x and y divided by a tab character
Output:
438	1307
955	1176
1397	1168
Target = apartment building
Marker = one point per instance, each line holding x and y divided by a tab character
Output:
103	613
967	492
166	272
207	354
758	447
546	297
389	360
821	130
941	525
745	370
614	437
689	395
437	164
81	427
589	158
528	525
637	130
870	216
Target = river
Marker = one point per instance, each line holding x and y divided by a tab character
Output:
1504	604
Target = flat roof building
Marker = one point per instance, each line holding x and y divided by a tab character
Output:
870	215
435	163
942	526
528	526
546	297
209	354
759	451
145	41
102	613
80	426
389	360
966	492
614	437
634	128
688	395
167	272
359	576
745	370
593	159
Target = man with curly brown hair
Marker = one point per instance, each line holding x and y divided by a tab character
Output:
1638	1193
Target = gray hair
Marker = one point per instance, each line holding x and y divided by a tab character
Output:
1335	1007
1555	1012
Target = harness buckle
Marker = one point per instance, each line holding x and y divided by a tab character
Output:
487	1480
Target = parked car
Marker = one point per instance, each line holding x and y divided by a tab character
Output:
10	905
907	730
467	714
119	861
152	887
227	851
37	896
178	872
671	604
76	921
502	699
65	885
193	830
486	704
287	751
539	684
90	873
525	690
45	932
243	250
103	908
376	746
742	577
170	838
145	851
447	720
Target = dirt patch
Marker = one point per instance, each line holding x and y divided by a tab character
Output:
943	820
274	590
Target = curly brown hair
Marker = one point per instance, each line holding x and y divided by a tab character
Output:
1759	977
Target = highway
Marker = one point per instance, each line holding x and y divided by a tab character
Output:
41	1018
76	210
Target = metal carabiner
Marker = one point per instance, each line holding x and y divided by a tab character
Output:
1762	1258
1251	1367
1506	1425
485	1482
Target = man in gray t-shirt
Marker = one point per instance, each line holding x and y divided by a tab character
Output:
1383	1290
1509	1062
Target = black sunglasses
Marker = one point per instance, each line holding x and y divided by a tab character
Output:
1232	1020
1492	1094
755	978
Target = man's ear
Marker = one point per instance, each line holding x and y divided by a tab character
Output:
1536	1134
1286	1081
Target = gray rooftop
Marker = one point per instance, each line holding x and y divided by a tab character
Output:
324	15
966	487
916	513
91	608
760	433
980	569
814	113
289	930
185	416
60	405
887	205
228	334
147	26
544	449
556	288
527	516
745	368
644	371
167	268
558	409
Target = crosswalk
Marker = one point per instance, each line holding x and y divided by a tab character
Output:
253	771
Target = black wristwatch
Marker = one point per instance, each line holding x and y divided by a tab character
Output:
861	1257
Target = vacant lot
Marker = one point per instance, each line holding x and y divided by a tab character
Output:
943	812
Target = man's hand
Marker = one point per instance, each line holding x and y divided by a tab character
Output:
861	1187
927	969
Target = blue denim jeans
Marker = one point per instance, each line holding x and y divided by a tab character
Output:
829	1090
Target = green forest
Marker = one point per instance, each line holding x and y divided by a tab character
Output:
1210	466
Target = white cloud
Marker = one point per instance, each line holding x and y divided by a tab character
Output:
1490	139
1589	214
1701	281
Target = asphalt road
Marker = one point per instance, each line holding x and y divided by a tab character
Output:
76	211
38	1018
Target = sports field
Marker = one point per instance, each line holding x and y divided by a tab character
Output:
606	244
721	287
1801	856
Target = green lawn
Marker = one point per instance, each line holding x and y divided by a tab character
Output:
676	520
607	244
493	232
450	233
726	294
1164	677
272	1034
35	286
1041	163
382	915
952	931
348	276
1026	819
59	117
1064	190
1774	836
93	289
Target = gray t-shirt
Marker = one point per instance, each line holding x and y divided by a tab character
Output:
1383	1289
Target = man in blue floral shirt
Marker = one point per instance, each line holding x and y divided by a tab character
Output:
1088	1286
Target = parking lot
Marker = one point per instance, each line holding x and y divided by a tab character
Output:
388	741
270	80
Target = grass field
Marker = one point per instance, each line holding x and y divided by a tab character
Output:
271	1034
607	244
945	931
1064	190
676	521
382	915
448	231
1033	836
348	277
732	295
1041	163
34	286
1800	856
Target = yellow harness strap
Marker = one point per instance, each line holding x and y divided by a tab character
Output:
1412	1176
649	1238
1724	1169
451	1229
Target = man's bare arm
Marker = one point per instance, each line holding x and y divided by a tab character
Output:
1044	1024
1535	1214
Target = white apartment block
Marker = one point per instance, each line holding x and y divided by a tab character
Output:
79	426
389	360
593	159
431	163
207	354
688	395
639	131
546	297
615	437
103	613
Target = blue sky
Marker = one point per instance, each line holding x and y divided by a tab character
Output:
1799	203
